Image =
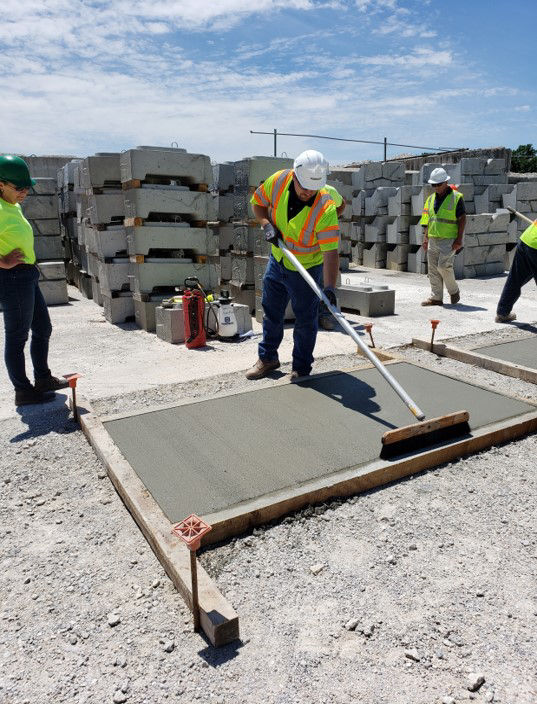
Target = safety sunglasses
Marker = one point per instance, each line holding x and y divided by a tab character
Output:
19	189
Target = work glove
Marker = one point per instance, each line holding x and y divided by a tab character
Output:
272	234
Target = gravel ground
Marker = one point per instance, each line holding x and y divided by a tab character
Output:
420	592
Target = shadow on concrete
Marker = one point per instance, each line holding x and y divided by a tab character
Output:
215	657
464	308
351	392
45	418
527	327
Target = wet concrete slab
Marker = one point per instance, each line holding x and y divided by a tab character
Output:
207	456
523	352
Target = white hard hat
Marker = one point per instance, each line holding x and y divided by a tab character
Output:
438	175
311	169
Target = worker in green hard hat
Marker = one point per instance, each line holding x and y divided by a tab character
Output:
23	304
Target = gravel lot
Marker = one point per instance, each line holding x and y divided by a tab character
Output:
420	592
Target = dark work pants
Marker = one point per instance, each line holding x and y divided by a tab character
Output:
523	269
279	286
24	310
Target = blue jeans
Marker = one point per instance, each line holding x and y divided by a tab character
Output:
24	310
523	269
279	286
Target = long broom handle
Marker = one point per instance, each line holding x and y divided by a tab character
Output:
520	215
414	408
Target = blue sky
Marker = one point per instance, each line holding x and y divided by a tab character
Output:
82	77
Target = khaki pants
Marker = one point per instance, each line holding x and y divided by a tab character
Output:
440	256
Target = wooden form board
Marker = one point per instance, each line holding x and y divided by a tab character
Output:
479	360
219	620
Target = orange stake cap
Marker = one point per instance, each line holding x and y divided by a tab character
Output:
435	324
71	378
191	530
368	326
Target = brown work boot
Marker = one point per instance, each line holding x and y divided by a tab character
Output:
261	368
431	302
50	383
505	318
26	397
455	297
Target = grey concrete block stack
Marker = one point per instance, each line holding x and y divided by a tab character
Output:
101	236
489	237
521	197
40	208
242	248
377	202
341	179
168	208
67	205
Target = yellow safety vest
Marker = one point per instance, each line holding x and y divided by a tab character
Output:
311	232
529	236
15	231
442	224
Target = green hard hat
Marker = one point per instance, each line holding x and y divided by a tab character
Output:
15	170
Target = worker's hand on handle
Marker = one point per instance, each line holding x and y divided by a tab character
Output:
457	244
12	259
272	234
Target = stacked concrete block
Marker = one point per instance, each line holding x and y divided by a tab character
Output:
168	208
40	208
222	190
342	181
170	324
486	240
367	300
523	197
377	174
248	174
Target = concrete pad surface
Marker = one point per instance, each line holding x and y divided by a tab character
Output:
523	352
209	455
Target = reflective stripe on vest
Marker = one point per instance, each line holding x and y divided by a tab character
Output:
529	236
306	243
443	224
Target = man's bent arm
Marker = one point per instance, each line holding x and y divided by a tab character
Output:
261	214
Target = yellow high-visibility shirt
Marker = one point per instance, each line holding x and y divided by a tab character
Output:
15	231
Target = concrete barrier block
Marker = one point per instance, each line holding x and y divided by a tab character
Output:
106	208
242	268
488	269
54	292
251	172
46	166
486	180
376	230
170	236
48	248
118	309
345	248
100	170
397	232
51	271
473	256
397	257
44	186
223	178
394	171
93	265
40	207
114	275
46	227
415	235
374	255
142	202
66	175
224	207
472	166
96	291
368	176
145	311
225	267
495	166
343	175
150	276
377	204
108	243
367	300
417	260
165	163
499	221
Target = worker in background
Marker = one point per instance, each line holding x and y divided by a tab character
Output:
20	297
326	319
523	268
443	220
295	206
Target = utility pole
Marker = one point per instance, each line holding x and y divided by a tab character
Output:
385	147
275	145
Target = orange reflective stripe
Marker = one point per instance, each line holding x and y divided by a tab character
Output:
329	240
260	202
262	187
280	183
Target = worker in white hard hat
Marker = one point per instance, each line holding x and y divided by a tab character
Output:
443	220
294	205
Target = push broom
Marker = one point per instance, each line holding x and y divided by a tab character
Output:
410	437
